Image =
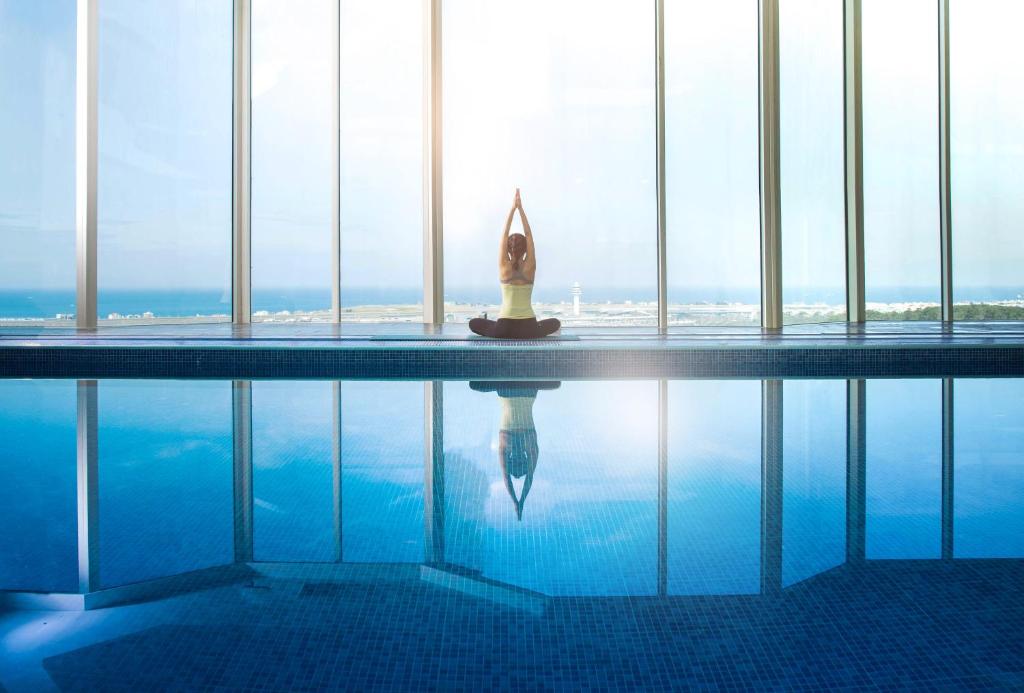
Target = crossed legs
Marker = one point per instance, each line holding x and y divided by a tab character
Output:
508	328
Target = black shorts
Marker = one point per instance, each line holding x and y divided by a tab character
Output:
514	328
514	388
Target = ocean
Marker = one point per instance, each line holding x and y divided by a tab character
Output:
48	303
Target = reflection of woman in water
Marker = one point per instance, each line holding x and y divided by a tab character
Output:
517	437
517	268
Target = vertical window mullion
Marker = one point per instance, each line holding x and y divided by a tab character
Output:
433	200
659	95
86	121
335	90
771	214
241	246
945	192
854	155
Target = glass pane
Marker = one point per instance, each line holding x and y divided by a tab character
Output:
814	477
988	461
292	88
901	159
714	487
527	500
813	173
987	142
293	457
382	160
37	160
712	174
164	190
903	468
38	485
165	478
382	472
536	98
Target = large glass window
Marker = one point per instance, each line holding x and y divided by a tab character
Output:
812	153
987	142
37	160
382	160
292	116
557	99
569	119
901	159
711	150
164	190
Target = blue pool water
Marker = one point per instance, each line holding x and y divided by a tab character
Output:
744	534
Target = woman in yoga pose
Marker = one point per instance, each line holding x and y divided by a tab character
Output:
517	267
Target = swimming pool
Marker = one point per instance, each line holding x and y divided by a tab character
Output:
654	533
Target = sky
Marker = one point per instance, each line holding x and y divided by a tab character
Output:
554	97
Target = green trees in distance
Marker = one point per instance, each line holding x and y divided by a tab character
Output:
968	311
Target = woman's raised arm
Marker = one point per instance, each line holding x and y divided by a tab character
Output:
531	256
503	250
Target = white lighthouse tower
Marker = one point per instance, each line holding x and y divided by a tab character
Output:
577	293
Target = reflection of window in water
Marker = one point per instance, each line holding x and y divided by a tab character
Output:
517	437
465	495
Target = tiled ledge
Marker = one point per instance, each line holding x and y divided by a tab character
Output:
424	352
500	361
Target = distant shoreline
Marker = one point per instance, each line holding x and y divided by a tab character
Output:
611	314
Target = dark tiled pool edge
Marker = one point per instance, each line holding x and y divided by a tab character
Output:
426	362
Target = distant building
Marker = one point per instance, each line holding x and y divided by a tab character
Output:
577	296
